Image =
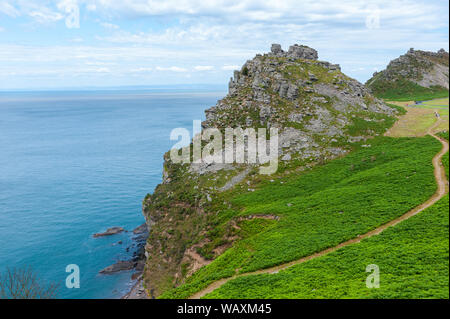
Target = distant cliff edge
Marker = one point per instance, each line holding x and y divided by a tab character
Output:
415	75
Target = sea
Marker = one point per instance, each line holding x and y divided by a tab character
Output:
74	163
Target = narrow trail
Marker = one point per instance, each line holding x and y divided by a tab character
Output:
442	183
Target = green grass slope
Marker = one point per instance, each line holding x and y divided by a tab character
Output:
412	257
322	207
404	90
400	80
445	157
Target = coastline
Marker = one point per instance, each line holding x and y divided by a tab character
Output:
137	291
136	263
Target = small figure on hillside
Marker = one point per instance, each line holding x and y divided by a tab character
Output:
437	114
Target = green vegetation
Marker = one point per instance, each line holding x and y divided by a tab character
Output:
444	135
401	110
319	208
375	124
445	157
413	258
245	71
404	90
311	203
436	103
190	213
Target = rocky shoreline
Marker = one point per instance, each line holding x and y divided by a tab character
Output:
136	263
137	291
109	232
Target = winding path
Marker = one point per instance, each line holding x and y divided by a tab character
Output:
442	183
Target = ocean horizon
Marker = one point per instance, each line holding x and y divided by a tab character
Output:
74	163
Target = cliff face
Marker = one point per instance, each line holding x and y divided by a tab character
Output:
416	71
318	111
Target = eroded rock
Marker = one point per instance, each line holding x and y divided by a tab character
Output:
109	232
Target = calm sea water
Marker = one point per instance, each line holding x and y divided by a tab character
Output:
75	163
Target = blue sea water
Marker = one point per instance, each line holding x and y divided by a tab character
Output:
75	163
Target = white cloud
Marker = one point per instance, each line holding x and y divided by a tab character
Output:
8	9
176	36
281	11
204	68
99	63
2	29
101	70
172	68
111	26
198	32
45	16
230	67
142	69
44	12
91	7
77	40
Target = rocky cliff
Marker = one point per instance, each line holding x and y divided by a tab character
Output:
319	113
416	72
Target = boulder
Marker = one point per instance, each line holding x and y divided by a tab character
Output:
109	232
302	52
140	229
121	265
276	49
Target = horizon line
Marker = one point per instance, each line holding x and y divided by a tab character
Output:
217	86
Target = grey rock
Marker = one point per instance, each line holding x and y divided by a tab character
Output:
118	266
109	232
276	49
302	52
424	68
235	180
292	92
140	229
295	117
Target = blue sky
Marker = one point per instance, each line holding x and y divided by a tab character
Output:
86	43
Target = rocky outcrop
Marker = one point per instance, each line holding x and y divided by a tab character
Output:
295	52
424	68
292	89
137	262
314	106
142	229
118	266
109	232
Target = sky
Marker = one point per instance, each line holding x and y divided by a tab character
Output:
106	43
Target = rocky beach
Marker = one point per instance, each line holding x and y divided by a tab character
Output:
136	263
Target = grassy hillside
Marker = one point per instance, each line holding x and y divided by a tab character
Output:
404	90
412	257
417	75
320	113
320	208
445	158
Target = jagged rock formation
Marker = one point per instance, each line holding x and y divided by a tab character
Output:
420	71
303	97
319	113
